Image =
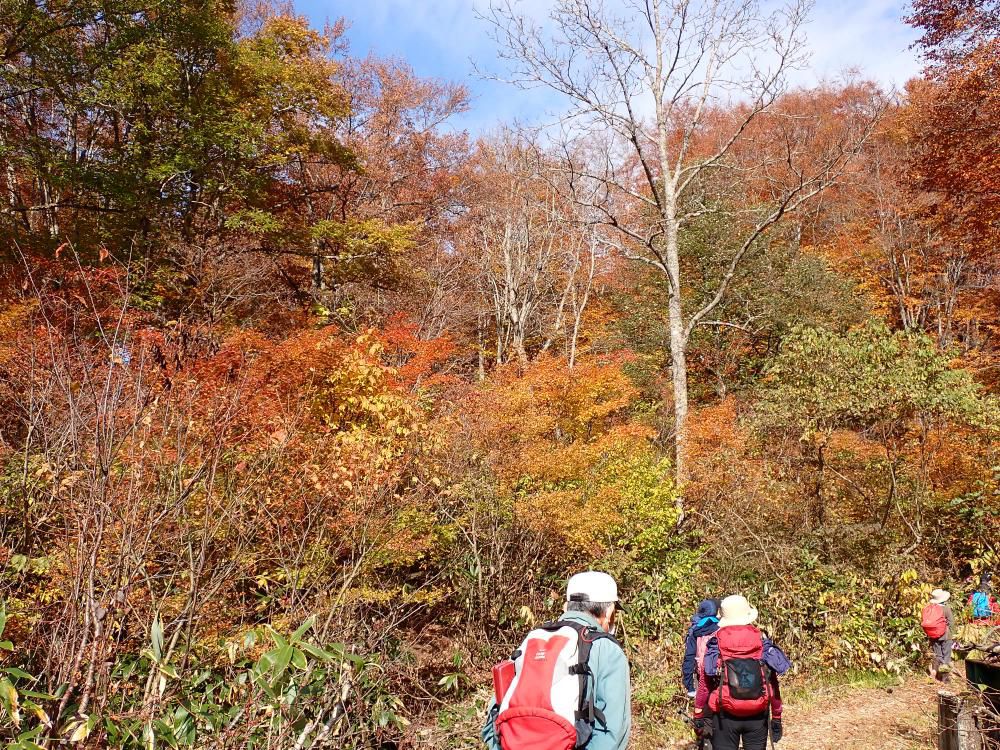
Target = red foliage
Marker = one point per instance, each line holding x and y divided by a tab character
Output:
417	362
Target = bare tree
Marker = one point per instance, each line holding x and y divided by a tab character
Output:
679	91
537	252
517	243
579	269
516	250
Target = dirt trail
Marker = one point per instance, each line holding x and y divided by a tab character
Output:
852	718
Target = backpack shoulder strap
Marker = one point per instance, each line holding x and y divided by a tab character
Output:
587	636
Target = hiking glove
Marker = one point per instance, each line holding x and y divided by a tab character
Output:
702	727
775	730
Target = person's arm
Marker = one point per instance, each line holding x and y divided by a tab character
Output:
950	618
690	661
701	696
776	704
775	658
612	695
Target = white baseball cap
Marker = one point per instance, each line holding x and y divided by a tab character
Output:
592	586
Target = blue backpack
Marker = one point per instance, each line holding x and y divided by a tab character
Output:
980	606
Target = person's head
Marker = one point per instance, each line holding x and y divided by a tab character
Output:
595	594
707	608
985	581
736	610
939	596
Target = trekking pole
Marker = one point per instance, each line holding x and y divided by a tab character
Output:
704	743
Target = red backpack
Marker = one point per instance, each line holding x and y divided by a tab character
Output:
744	678
549	703
933	621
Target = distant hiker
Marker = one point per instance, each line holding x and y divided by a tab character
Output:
984	606
567	686
703	626
938	622
738	698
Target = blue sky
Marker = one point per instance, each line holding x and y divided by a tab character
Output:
440	38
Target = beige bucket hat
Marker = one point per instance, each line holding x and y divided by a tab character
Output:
736	610
940	596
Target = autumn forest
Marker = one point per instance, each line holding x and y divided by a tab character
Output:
311	399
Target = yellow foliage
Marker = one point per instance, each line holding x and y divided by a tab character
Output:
400	595
578	521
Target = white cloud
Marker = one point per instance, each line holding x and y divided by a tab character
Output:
869	35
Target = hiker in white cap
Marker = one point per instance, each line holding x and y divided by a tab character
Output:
738	701
567	686
938	622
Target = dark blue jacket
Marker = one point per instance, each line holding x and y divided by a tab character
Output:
705	622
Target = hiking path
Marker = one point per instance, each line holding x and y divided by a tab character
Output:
902	717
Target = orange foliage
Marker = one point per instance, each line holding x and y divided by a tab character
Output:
557	439
552	423
723	466
952	121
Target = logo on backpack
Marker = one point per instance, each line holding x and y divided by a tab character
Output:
549	704
933	621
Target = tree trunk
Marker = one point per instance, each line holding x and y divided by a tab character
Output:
517	334
317	271
819	506
481	369
678	360
678	374
949	705
957	725
572	343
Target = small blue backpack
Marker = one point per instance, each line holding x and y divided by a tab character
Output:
980	606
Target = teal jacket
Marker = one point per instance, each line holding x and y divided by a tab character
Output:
612	695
